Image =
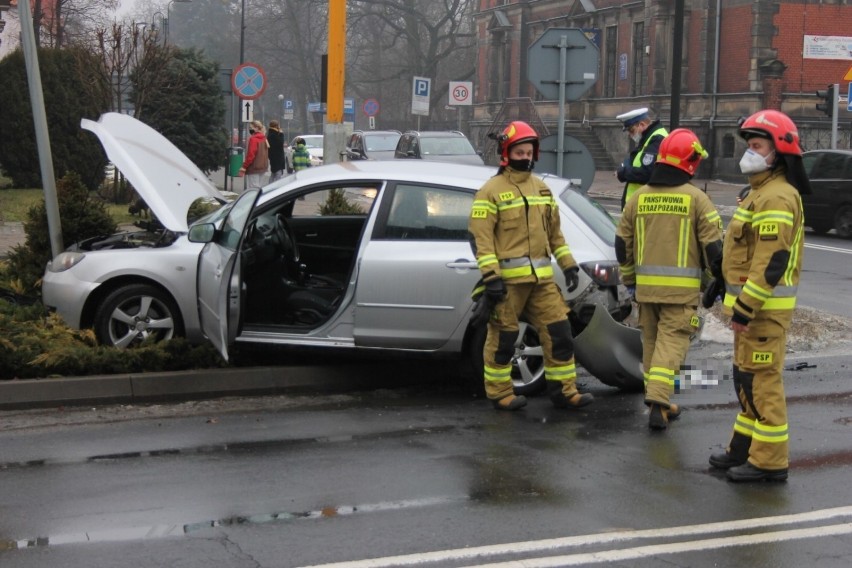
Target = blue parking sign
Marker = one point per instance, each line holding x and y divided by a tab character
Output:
421	87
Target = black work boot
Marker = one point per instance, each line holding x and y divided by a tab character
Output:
510	402
658	418
748	472
737	453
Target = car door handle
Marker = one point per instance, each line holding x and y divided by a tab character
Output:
462	263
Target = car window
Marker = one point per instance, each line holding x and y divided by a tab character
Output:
229	235
381	142
344	200
809	161
428	213
832	166
597	218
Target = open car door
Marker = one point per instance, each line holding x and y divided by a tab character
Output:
218	280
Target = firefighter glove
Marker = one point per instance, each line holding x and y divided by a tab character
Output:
712	292
495	290
572	278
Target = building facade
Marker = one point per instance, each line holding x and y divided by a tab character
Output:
736	57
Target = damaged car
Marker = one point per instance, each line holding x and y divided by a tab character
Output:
365	256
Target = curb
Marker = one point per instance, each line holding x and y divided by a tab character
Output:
147	387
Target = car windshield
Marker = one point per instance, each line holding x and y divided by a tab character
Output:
455	146
381	142
598	219
313	141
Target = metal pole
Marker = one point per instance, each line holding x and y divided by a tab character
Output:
834	116
560	137
48	179
677	60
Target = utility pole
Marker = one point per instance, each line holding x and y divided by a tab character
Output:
334	138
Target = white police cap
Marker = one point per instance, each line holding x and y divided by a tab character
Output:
630	118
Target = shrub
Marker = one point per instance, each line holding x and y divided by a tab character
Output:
82	216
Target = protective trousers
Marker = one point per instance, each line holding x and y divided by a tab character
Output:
758	365
665	341
544	308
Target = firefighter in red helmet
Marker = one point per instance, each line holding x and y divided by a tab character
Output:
515	232
669	231
762	260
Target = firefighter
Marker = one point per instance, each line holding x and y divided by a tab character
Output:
669	231
762	260
647	135
514	231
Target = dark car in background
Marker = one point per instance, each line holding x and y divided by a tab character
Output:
830	205
438	146
372	144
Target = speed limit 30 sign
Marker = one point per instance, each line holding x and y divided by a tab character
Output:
461	92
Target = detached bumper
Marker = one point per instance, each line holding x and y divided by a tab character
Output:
611	351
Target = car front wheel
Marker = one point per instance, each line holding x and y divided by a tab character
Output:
135	313
527	360
843	222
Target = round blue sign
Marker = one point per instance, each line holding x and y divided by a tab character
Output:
371	107
248	81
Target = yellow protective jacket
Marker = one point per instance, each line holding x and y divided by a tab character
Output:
515	229
762	252
665	232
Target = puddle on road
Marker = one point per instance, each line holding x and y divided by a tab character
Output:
168	531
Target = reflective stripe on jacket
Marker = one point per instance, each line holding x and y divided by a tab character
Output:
762	252
515	229
639	163
665	231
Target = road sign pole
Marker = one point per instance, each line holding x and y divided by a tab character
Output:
834	117
560	139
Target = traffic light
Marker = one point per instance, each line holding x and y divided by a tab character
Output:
829	103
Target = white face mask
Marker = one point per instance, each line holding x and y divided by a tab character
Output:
754	163
636	137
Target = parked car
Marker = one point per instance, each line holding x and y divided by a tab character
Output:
437	145
372	144
360	255
830	204
313	142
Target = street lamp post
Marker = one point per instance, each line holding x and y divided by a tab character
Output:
168	21
154	22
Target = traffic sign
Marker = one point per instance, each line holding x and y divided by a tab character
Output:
420	95
563	56
246	111
577	160
348	106
371	107
461	92
248	81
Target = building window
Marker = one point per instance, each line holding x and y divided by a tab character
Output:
497	75
610	60
728	146
637	84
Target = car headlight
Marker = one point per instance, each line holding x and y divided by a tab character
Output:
602	273
65	260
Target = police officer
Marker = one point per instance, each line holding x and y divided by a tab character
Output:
668	232
514	231
762	260
647	135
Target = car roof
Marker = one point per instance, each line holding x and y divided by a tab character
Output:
830	151
436	133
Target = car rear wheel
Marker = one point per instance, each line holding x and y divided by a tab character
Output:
843	222
135	313
527	361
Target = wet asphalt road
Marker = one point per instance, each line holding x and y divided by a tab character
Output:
429	471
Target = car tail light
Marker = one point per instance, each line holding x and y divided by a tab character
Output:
64	261
602	273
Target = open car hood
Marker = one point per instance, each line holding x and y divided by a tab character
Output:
162	175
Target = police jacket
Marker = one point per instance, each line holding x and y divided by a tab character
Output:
515	229
636	169
763	252
666	236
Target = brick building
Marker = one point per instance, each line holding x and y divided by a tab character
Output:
737	56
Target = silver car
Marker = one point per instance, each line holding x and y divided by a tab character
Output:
351	256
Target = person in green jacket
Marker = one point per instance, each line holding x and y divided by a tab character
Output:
301	156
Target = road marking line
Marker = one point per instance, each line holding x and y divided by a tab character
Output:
674	548
829	249
600	538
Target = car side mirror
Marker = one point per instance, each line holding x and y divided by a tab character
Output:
202	233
